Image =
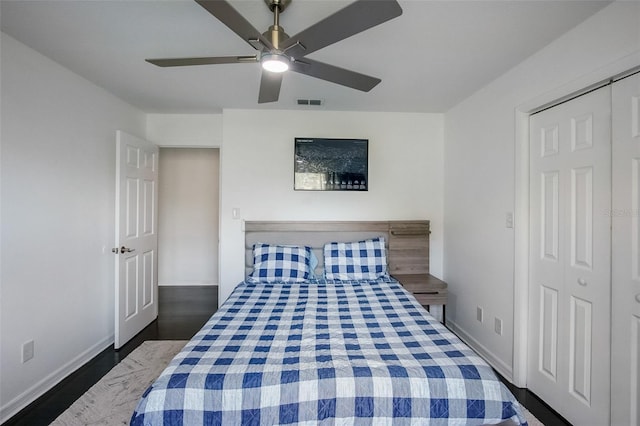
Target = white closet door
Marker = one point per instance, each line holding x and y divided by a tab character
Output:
570	287
625	372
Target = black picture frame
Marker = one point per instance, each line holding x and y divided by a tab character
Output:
331	164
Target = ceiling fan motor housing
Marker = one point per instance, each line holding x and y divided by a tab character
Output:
276	35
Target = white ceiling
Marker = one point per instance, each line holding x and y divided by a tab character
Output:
430	58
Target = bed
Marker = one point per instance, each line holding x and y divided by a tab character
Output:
320	350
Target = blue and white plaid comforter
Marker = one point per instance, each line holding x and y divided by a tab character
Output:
330	353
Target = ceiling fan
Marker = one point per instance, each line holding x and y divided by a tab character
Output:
278	52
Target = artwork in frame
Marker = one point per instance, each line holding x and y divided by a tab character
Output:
324	164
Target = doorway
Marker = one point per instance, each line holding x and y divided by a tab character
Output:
188	213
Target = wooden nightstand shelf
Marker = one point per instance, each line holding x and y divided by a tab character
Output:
426	288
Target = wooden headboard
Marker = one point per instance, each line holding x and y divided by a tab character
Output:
407	241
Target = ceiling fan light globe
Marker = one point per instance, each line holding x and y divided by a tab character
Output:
275	63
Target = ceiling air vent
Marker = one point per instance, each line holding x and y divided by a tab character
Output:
310	102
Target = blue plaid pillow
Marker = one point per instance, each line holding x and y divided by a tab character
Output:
362	260
273	263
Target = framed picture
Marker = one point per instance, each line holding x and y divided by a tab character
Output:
322	164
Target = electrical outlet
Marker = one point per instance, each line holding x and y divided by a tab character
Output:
479	313
27	351
498	326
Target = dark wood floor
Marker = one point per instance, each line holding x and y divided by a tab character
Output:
182	311
536	406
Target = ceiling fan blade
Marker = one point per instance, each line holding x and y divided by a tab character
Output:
334	74
181	62
270	83
226	14
357	17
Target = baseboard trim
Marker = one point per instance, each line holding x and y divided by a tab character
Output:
503	368
18	403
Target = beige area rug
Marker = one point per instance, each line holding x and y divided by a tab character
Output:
530	418
112	400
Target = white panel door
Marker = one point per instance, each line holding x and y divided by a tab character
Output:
136	236
625	213
570	286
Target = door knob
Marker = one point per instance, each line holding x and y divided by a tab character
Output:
122	249
582	282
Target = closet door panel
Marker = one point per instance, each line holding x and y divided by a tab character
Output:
570	257
625	214
587	273
547	254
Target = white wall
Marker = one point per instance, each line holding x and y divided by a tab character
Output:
405	175
481	168
188	205
57	183
185	130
